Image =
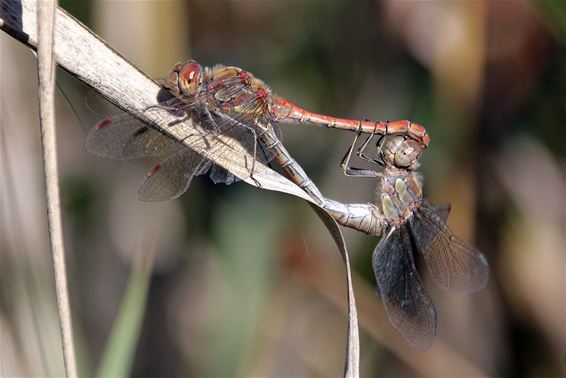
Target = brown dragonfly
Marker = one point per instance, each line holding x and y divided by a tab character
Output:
410	225
231	102
225	101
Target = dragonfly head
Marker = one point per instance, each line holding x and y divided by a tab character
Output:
185	78
402	153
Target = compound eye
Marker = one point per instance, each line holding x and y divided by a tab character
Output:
172	79
190	76
407	154
391	148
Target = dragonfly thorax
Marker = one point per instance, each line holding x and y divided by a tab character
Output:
399	193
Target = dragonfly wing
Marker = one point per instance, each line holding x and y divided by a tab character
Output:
228	108
443	211
235	146
407	304
453	264
123	137
244	137
171	177
229	89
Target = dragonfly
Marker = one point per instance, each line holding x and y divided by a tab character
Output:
220	100
230	101
410	225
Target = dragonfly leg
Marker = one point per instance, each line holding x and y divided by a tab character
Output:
346	159
255	158
211	121
353	171
254	136
362	153
266	149
175	109
361	150
200	134
359	172
168	108
258	184
262	127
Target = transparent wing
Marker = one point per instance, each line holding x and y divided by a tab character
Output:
245	136
453	264
236	146
407	304
229	107
123	137
171	177
443	211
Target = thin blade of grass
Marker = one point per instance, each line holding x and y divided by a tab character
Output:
118	356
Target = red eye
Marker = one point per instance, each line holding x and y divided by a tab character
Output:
190	72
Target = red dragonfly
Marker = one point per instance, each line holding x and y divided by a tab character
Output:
224	101
410	225
231	102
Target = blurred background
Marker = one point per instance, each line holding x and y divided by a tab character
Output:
236	281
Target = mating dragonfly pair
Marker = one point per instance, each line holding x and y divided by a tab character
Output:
232	103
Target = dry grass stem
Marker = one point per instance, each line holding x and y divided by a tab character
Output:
46	93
